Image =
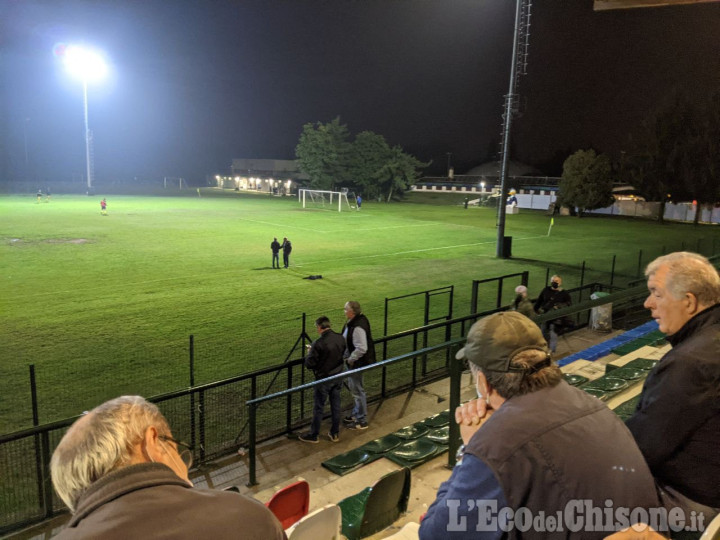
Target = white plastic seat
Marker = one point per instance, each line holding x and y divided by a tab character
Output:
712	531
324	523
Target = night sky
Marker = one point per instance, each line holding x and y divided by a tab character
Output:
195	84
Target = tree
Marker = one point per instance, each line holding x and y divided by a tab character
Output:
370	153
398	173
324	152
586	182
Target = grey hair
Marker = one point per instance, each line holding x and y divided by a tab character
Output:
100	443
688	272
355	307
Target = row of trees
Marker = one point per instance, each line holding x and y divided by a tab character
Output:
674	156
367	164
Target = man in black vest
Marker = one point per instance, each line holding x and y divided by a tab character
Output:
360	352
325	358
541	449
287	249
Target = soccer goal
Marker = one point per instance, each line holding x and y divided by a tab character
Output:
174	182
315	198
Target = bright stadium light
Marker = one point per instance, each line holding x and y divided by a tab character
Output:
89	66
482	186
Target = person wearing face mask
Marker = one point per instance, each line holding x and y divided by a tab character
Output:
123	475
532	441
553	297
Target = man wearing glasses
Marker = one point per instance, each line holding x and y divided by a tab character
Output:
122	475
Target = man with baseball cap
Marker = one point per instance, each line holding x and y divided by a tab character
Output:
535	442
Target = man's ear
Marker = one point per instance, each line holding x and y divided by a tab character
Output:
691	303
151	445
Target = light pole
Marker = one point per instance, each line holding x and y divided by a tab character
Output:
89	66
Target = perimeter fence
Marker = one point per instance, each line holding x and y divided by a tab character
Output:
214	416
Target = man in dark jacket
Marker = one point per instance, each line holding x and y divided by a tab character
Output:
325	358
123	476
275	247
543	459
553	297
360	352
286	249
677	421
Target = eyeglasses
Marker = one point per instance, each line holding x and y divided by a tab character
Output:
183	449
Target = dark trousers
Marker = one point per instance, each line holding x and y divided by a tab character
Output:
276	260
322	391
286	259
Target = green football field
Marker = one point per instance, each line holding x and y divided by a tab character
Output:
104	305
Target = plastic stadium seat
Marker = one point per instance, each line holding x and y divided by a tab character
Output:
712	531
382	445
411	531
290	503
574	380
417	450
414	431
376	507
322	524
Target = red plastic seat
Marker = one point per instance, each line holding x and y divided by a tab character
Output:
290	503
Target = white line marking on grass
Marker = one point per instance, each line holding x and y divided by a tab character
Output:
281	225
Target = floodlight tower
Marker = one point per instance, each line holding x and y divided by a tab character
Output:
89	66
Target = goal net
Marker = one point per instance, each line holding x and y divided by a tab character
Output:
330	200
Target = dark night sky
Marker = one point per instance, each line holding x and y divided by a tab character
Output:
197	83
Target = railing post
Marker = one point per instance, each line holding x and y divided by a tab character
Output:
455	379
47	481
498	299
36	422
252	450
201	411
525	279
385	330
474	297
193	437
612	270
288	400
639	268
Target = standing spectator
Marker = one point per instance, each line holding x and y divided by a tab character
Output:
677	421
325	358
534	442
360	352
103	207
39	195
287	249
522	303
553	297
123	475
275	247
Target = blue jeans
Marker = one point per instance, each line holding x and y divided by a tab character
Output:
550	335
322	391
355	385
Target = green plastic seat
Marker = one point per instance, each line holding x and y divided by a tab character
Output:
596	392
629	373
350	459
439	435
416	450
627	409
607	384
414	431
376	507
574	380
642	363
382	445
438	420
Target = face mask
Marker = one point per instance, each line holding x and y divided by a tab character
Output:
554	284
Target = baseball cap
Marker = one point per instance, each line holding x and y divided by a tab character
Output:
493	341
520	289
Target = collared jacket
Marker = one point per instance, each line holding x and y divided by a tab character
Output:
149	500
325	356
677	421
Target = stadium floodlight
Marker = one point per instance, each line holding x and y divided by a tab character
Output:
482	186
89	66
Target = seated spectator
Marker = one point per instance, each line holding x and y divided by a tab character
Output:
533	442
122	475
551	298
522	303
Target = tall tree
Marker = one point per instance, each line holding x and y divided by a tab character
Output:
399	172
324	152
586	182
370	153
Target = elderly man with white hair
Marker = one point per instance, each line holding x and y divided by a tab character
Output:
122	475
677	421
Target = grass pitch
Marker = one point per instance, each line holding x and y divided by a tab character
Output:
104	305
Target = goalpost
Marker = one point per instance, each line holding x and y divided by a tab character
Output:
316	198
174	181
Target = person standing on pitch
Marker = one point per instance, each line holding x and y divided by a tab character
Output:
360	352
325	359
287	249
359	201
103	207
275	247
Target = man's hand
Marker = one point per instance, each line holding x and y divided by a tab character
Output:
470	416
